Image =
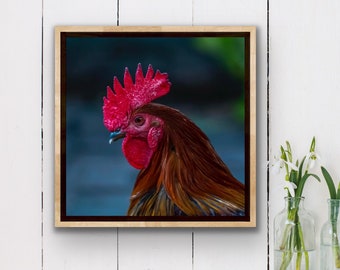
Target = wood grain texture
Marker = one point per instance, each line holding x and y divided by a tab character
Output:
177	29
164	29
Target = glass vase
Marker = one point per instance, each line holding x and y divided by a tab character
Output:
294	237
329	238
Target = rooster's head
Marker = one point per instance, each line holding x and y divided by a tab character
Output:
141	131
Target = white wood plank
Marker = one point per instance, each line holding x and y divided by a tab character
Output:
67	248
304	85
160	248
304	62
155	248
228	12
78	12
85	248
228	248
20	158
155	12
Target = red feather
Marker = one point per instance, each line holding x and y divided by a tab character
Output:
120	103
185	175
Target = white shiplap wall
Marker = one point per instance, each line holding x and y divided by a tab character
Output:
304	90
69	249
20	139
303	83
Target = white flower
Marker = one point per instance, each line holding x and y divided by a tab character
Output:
291	166
279	163
290	186
312	157
286	185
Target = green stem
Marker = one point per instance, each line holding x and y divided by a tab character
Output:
298	261
293	241
335	239
303	247
286	235
288	248
335	245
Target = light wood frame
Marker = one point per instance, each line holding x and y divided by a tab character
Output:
62	33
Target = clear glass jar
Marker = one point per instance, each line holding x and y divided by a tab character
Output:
294	237
329	238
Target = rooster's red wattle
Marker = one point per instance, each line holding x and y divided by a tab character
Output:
180	172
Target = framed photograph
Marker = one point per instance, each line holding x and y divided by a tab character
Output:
155	126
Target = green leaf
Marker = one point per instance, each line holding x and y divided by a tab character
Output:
338	192
301	166
312	146
330	183
302	182
289	152
293	177
283	153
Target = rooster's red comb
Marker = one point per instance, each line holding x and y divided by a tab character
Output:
122	101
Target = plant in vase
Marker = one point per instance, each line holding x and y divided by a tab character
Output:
330	251
294	226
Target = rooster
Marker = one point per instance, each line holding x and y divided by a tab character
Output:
180	172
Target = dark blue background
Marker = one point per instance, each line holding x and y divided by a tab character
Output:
210	91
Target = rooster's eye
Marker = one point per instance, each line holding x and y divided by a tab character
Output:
139	120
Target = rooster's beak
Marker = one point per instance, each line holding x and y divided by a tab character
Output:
116	135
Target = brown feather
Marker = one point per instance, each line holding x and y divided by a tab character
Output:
185	175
